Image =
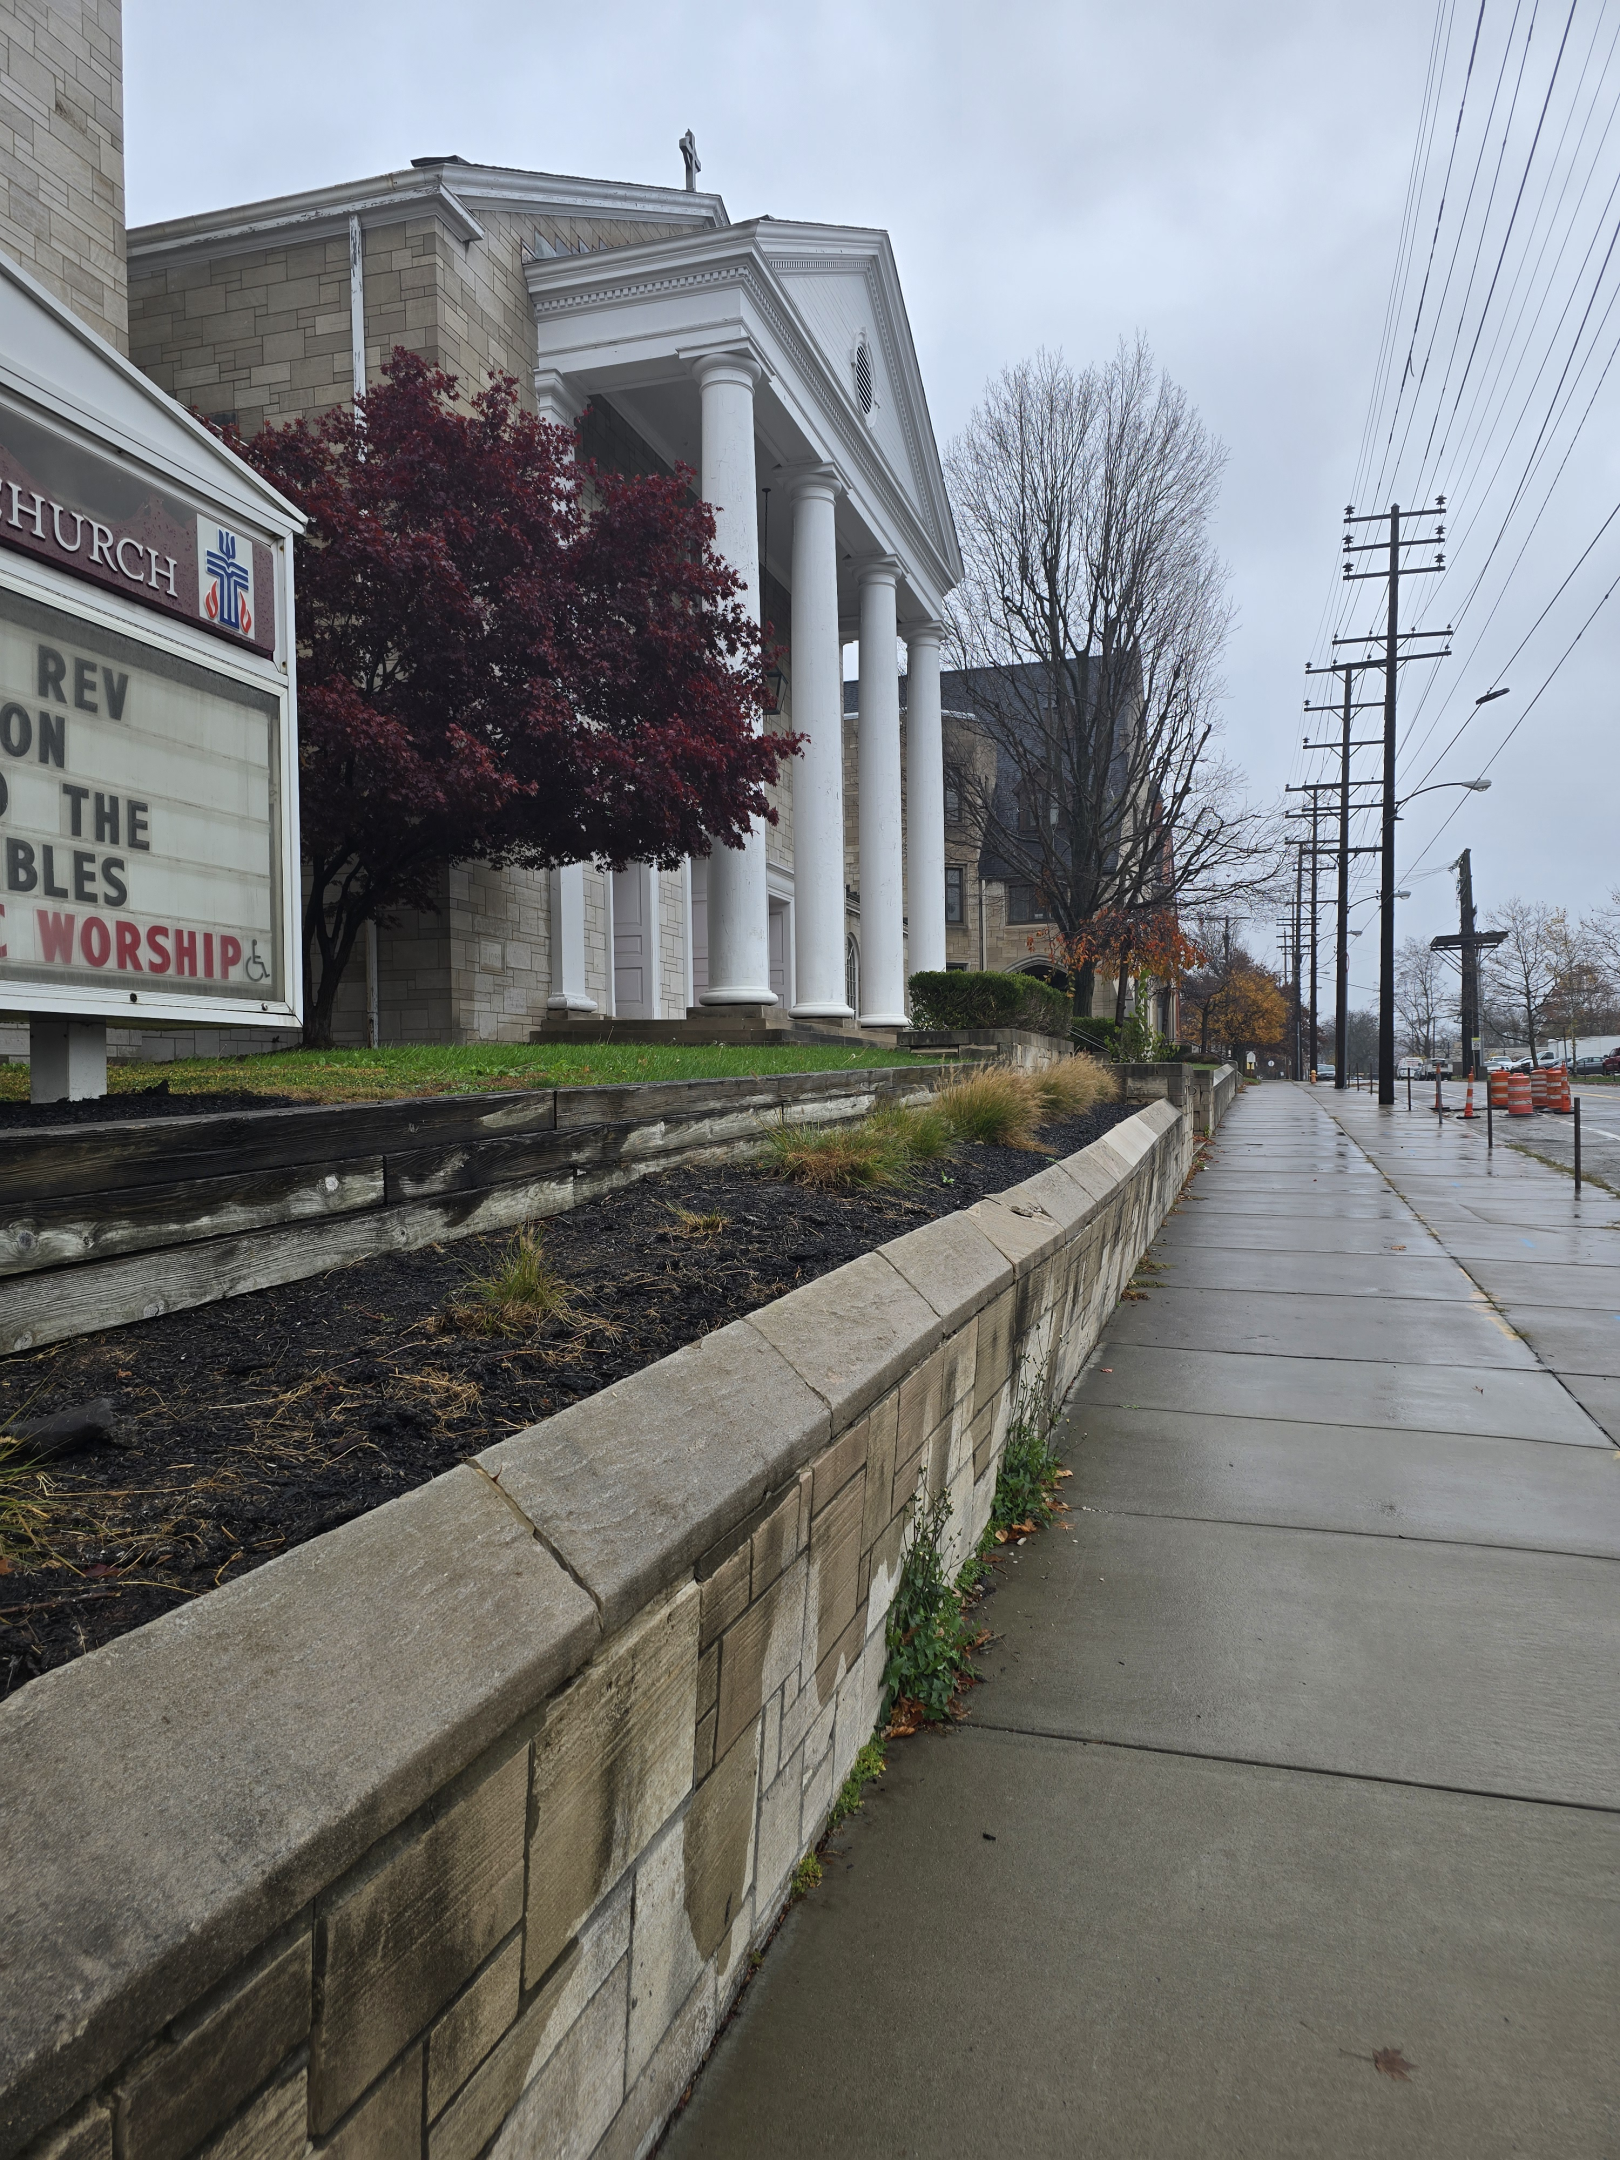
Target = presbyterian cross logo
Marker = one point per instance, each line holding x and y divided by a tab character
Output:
225	577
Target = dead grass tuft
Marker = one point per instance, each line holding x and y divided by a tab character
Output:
519	1294
701	1228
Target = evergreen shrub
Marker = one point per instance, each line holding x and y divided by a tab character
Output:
973	998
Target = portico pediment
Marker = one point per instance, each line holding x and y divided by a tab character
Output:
820	308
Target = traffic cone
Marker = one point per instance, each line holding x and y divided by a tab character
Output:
1468	1106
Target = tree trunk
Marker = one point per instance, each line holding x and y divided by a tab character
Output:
335	952
1085	990
1120	986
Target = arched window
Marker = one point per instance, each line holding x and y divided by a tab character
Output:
852	975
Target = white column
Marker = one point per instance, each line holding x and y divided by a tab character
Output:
883	960
739	951
925	802
568	992
817	660
557	402
556	399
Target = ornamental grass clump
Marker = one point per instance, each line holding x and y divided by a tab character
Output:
519	1294
1073	1086
837	1158
923	1127
997	1107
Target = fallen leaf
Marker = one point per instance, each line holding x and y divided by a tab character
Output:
1393	2064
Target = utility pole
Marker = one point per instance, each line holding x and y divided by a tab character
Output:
1467	944
1341	969
1299	890
1311	1045
1393	656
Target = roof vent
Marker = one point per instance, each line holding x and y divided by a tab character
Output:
863	376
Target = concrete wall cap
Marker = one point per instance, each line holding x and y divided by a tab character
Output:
630	1486
1158	1117
176	1796
1022	1229
953	1265
1055	1191
1098	1177
851	1334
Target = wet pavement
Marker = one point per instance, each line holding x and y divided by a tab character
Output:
1288	1819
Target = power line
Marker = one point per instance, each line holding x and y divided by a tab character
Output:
1524	716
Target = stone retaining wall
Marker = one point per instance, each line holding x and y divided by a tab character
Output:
1206	1090
451	1833
104	1224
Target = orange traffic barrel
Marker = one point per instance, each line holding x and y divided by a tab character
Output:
1519	1100
1499	1090
1558	1095
1538	1088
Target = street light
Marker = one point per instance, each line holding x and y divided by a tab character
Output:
1477	787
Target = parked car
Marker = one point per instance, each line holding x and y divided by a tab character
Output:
1326	1072
1611	1064
1592	1064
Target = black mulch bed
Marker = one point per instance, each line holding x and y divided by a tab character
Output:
245	1427
145	1102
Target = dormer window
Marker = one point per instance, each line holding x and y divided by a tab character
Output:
863	377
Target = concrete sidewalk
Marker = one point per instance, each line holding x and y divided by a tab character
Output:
1288	1819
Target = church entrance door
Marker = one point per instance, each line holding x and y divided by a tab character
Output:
635	943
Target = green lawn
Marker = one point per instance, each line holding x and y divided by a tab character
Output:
466	1069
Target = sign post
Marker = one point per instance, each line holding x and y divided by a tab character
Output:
148	775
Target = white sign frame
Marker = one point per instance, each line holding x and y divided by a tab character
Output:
115	1003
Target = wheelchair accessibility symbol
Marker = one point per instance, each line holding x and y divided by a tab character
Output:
254	967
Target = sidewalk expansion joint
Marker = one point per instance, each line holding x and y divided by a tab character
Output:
1390	1537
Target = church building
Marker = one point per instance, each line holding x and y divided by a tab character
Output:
775	360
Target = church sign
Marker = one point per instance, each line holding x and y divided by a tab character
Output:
139	815
95	517
148	810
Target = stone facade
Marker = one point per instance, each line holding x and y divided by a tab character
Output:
527	1756
266	333
62	153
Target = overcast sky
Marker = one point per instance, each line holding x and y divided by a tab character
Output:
1229	180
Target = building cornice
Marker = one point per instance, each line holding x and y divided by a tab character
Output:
443	191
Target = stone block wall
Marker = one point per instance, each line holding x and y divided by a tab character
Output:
672	937
62	153
451	1832
259	335
265	333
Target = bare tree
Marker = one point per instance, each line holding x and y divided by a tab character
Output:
1361	1046
1089	628
1522	971
1422	994
1582	994
1600	937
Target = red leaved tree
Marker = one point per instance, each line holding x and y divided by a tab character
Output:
503	657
